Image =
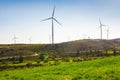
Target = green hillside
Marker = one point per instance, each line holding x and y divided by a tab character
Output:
19	49
88	46
100	69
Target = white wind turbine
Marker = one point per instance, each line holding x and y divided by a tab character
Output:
14	38
101	25
30	39
53	19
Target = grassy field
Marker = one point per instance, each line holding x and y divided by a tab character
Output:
100	69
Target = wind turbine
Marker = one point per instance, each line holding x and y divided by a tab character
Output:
14	38
53	19
30	39
101	25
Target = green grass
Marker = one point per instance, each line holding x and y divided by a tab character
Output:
101	69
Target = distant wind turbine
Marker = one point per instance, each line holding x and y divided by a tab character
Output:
53	19
68	38
30	39
101	25
14	38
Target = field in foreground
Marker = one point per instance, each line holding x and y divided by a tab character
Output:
101	69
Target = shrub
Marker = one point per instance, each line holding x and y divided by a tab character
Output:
38	61
20	59
29	64
44	57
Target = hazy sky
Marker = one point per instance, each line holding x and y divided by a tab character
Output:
79	19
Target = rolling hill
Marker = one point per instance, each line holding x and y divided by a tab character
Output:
63	49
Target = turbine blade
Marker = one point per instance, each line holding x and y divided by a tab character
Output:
53	11
15	37
104	25
46	19
57	21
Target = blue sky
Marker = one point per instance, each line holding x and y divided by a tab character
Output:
79	19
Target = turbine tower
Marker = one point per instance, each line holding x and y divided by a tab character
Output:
101	25
14	38
30	39
53	19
